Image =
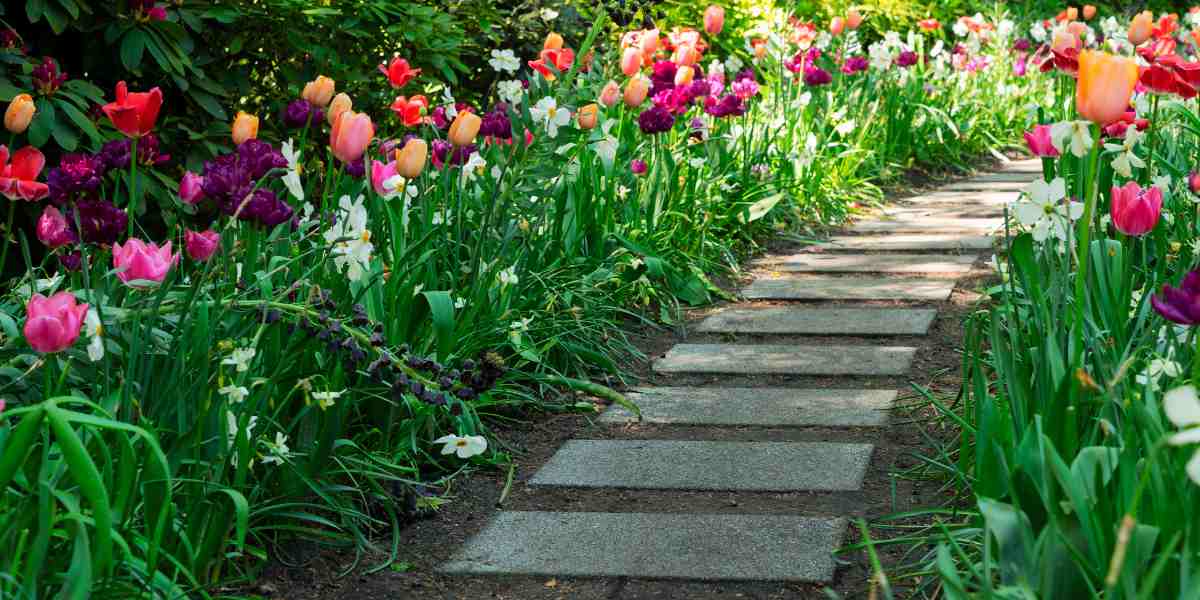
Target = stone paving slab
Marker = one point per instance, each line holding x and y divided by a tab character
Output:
812	262
786	359
1004	176
944	211
993	198
849	288
798	320
761	407
694	465
709	547
985	186
920	224
911	241
1029	165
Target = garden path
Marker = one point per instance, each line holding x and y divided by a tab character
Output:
885	277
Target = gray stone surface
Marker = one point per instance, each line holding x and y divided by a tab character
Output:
691	465
814	262
911	241
985	186
1029	165
1004	176
784	359
923	224
798	320
710	547
764	407
818	287
993	199
944	211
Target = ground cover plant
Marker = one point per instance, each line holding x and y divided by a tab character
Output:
301	320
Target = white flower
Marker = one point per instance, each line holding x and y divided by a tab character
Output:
291	179
1038	31
1182	406
463	446
509	276
460	303
449	104
1126	159
392	187
1045	211
240	358
623	192
511	91
1078	132
960	28
95	331
733	64
474	168
845	128
522	325
548	14
326	399
279	450
504	61
1156	369
716	67
350	238
549	114
606	148
236	394
231	426
1004	28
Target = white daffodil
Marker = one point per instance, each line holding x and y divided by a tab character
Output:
1045	209
845	128
95	332
550	114
231	426
504	61
240	358
1077	133
733	64
278	449
511	92
350	238
474	168
1126	159
606	148
291	179
509	276
463	446
236	394
326	399
548	14
1156	369
1182	406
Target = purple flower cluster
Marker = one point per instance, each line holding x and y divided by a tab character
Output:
662	76
728	106
816	76
656	119
46	77
229	180
100	221
299	113
496	124
76	176
855	64
443	152
116	153
744	87
906	59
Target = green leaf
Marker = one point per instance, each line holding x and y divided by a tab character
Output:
441	308
209	103
81	121
133	46
42	124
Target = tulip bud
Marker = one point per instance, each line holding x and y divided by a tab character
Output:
191	188
1141	27
760	50
714	19
610	94
636	91
631	61
464	128
201	245
319	91
1089	11
837	25
588	116
53	324
1194	182
410	160
553	41
638	166
245	127
340	104
684	75
19	114
853	18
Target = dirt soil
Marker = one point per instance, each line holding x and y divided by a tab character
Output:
312	574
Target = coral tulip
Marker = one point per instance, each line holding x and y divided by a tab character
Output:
134	113
201	245
398	72
319	92
631	61
245	127
684	75
929	24
686	55
610	94
635	91
837	26
340	104
410	160
1182	304
588	116
553	41
649	42
191	188
351	135
1038	140
53	324
52	228
1141	27
1089	11
464	129
1135	211
19	114
18	180
714	19
141	262
410	110
853	18
1105	86
561	59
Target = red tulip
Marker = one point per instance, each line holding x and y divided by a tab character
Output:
929	24
1135	211
134	113
398	72
410	110
18	180
53	324
561	58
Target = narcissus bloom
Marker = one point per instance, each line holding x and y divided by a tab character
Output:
134	113
245	127
462	446
319	92
1135	210
141	263
410	110
714	19
53	324
351	135
1039	141
398	72
1182	304
1105	86
18	179
201	245
19	114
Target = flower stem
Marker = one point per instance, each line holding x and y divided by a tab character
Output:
9	238
132	184
1085	224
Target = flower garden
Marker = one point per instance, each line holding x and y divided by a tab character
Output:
252	295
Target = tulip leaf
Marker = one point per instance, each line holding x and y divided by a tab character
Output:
133	45
441	308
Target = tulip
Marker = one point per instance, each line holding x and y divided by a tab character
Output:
1182	304
588	116
686	54
1038	140
1089	11
18	180
837	26
1135	211
553	41
340	104
319	91
410	110
636	91
52	228
638	166
610	94
1141	27
1193	181
853	18
245	127
53	324
191	188
351	135
631	61
201	245
684	75
714	19
929	24
398	72
19	114
1071	13
385	180
134	113
464	129
649	42
1105	86
140	262
410	160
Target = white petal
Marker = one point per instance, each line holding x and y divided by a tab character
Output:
1027	213
1185	437
1193	468
1058	189
446	439
1182	406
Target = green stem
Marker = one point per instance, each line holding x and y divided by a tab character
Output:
133	198
1085	224
9	238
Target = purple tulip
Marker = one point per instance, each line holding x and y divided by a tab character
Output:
1182	304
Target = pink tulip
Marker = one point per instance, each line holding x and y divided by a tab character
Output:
631	61
714	19
201	245
1135	211
53	323
1038	140
837	25
191	188
638	166
384	178
1193	180
350	136
142	262
52	228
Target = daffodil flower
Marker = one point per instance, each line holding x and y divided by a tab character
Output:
463	446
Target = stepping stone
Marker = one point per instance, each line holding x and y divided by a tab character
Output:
986	186
797	320
849	288
912	241
1004	176
917	224
710	547
1030	165
965	198
943	211
761	407
873	263
786	359
688	465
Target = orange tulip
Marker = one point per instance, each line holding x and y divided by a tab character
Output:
19	114
319	91
553	41
853	18
714	19
1141	27
684	75
351	134
636	91
588	116
245	127
464	128
631	61
410	160
686	55
340	104
610	94
649	41
1105	86
1072	13
1089	11
837	25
